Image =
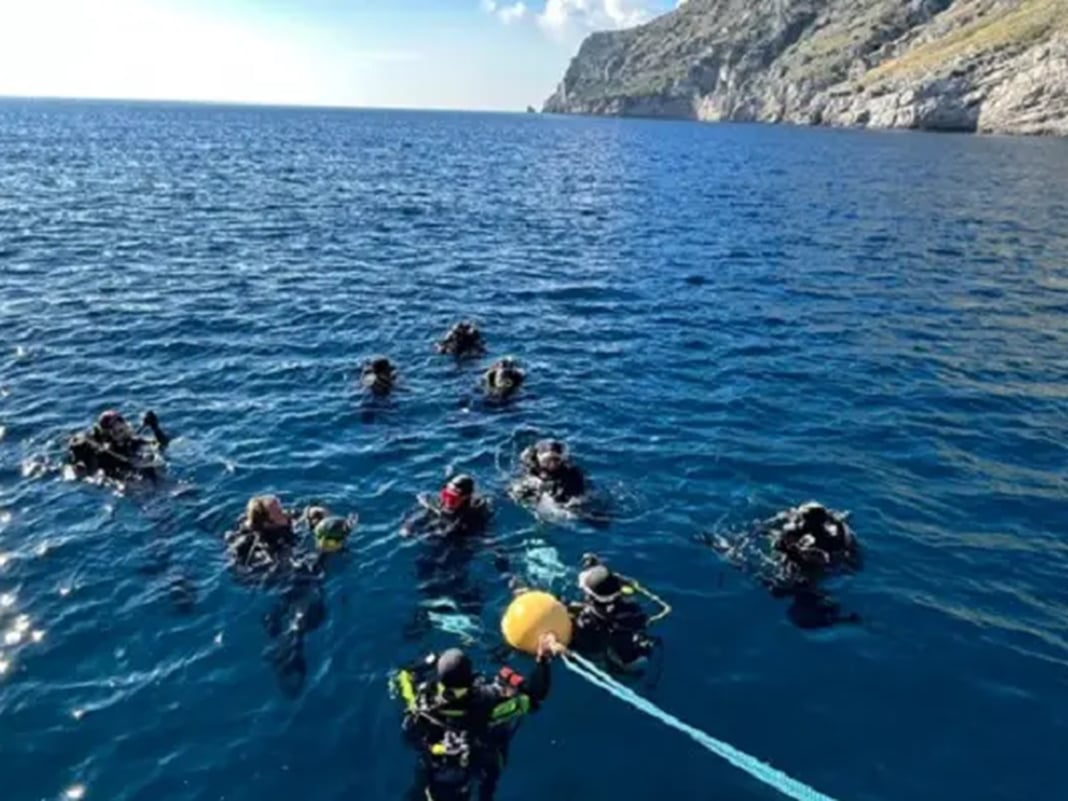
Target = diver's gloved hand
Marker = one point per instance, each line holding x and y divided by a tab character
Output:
150	420
549	646
590	560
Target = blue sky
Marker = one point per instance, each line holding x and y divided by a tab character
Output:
477	54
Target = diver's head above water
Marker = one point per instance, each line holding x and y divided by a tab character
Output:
601	585
504	377
550	455
462	339
265	511
378	374
332	532
114	427
455	672
824	527
457	495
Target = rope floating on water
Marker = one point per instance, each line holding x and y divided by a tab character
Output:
770	776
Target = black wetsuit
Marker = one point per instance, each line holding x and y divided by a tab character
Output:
563	484
434	521
814	543
462	340
502	383
378	381
806	546
259	549
451	540
485	719
95	451
614	632
268	557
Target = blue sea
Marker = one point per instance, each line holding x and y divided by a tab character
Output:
722	321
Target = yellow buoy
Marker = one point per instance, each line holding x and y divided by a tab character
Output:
532	615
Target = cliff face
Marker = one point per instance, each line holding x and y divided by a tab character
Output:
967	65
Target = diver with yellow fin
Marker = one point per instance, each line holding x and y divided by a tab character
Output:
462	723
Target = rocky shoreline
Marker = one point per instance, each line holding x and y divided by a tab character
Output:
990	66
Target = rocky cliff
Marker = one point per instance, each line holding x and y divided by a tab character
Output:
961	65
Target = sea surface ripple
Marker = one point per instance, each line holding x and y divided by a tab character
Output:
721	320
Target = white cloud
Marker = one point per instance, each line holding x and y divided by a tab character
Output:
561	15
512	13
505	12
570	16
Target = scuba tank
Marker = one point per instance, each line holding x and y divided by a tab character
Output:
449	768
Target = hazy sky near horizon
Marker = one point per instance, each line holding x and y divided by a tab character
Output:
476	54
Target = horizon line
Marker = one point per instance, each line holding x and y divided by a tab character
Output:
262	104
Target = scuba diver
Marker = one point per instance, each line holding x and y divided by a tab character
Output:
452	528
113	448
792	553
458	512
503	379
813	541
609	622
378	375
265	545
550	473
463	339
264	536
462	723
329	531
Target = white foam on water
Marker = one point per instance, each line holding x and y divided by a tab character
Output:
770	776
542	564
456	623
549	510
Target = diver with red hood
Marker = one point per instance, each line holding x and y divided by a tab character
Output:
458	511
451	529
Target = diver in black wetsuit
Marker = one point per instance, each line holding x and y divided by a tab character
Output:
264	537
378	375
503	379
549	472
463	339
265	546
813	541
113	448
610	624
792	553
452	529
462	724
458	512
